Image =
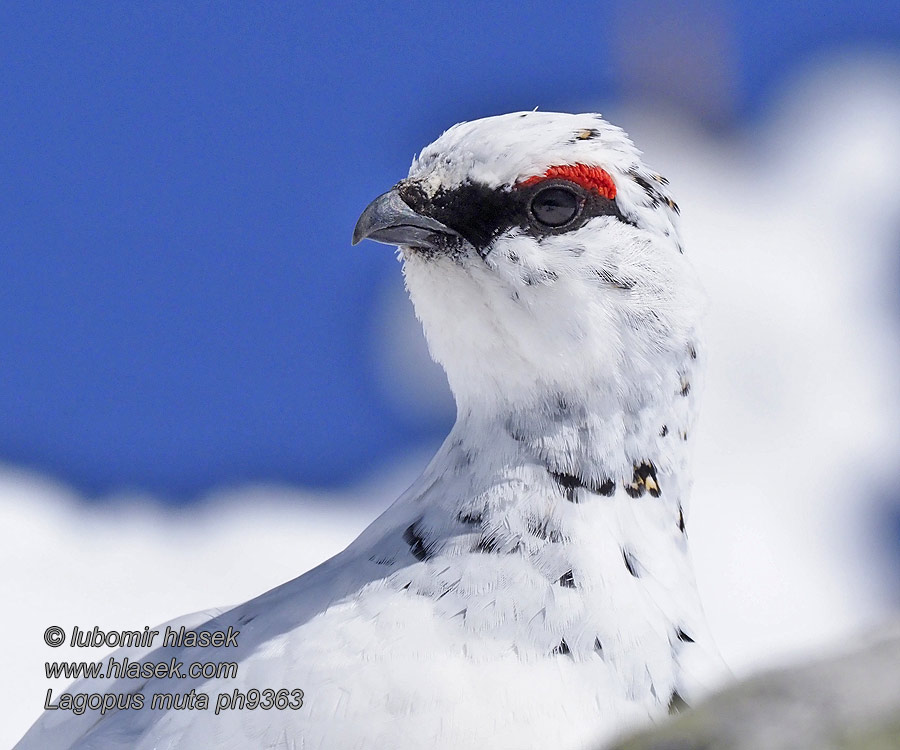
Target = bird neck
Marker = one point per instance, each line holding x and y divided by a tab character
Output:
563	464
628	427
581	492
559	524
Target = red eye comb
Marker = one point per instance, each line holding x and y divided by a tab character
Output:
590	178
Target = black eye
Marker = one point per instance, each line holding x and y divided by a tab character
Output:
555	206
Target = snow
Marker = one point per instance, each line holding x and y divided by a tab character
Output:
793	226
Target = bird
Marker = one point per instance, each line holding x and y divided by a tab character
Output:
534	586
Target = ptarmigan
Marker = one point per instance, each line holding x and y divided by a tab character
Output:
533	588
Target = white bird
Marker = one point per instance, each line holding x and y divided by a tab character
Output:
533	588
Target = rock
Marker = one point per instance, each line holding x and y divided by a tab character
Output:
844	702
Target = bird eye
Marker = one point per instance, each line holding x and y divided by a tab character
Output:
555	206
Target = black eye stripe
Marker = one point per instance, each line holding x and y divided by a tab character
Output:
480	213
477	212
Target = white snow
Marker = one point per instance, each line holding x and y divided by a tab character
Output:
794	227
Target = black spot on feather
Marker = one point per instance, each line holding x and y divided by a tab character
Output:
649	190
644	480
567	580
647	473
608	278
489	544
677	704
568	483
416	543
486	544
562	648
684	637
470	517
635	490
630	563
654	193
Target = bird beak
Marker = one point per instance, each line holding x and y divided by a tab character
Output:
390	220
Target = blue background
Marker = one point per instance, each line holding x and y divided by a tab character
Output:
180	307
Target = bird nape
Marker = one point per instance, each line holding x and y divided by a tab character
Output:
533	588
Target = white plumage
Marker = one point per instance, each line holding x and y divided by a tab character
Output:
533	587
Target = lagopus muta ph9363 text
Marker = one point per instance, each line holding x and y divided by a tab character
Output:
533	588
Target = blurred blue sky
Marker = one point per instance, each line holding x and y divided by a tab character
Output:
180	307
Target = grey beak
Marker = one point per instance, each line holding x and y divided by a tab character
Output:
390	220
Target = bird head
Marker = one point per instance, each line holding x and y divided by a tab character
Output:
540	255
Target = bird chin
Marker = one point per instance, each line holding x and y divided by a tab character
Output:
436	247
